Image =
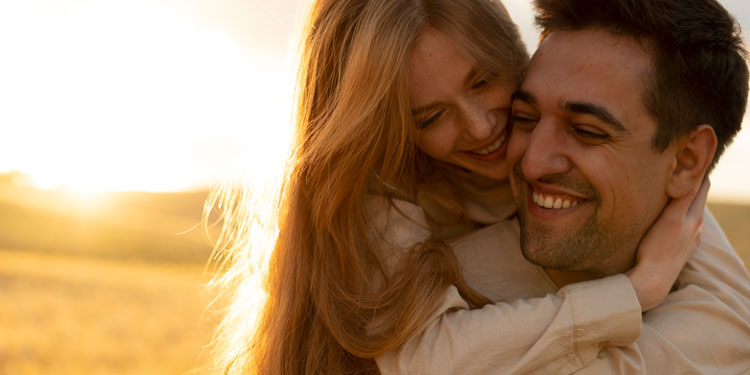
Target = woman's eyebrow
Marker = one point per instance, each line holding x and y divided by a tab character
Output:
471	75
420	110
468	79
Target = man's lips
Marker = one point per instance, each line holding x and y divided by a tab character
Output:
554	202
555	198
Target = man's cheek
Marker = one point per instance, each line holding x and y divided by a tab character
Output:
517	145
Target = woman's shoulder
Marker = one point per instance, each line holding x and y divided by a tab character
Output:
397	222
395	226
457	202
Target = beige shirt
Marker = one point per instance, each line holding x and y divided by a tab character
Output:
594	327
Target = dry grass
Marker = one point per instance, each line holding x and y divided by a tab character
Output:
102	285
65	315
109	287
735	221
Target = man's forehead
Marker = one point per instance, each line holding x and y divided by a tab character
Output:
589	65
580	40
587	50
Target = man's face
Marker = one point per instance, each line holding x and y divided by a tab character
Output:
587	182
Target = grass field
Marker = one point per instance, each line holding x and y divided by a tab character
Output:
63	315
108	285
735	221
102	285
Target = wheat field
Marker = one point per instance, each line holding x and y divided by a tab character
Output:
118	287
735	221
110	286
64	315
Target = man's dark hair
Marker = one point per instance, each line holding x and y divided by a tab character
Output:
699	73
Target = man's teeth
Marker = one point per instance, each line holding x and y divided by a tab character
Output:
550	202
493	147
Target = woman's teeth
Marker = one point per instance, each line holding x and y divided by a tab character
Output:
493	147
550	202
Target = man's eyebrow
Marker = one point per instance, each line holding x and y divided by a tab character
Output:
468	79
595	110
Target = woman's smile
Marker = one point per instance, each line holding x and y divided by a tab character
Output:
468	123
493	151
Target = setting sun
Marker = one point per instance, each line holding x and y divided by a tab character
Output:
154	215
150	95
113	96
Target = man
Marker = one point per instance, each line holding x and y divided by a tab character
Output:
625	105
621	110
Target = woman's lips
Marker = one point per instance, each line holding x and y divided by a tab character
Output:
493	150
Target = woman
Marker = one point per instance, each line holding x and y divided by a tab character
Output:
376	185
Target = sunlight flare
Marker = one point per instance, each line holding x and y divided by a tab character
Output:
122	96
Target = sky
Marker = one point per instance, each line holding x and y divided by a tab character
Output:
161	95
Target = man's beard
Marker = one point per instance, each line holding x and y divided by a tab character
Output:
578	251
597	245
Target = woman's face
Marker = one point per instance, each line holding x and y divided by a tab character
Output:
459	109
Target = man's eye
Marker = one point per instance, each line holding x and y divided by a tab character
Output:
429	120
590	135
522	121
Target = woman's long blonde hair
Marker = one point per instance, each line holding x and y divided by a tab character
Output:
354	136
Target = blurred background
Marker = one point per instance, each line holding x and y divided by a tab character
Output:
116	117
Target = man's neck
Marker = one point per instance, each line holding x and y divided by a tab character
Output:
563	278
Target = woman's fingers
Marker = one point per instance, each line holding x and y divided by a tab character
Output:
697	207
667	245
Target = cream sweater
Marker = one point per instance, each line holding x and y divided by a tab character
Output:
595	327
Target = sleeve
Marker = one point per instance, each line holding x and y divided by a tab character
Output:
554	334
702	327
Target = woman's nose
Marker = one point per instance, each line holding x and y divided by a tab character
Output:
479	122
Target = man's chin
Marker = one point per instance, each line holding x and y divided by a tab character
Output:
544	258
572	250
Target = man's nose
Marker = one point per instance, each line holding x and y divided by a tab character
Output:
547	152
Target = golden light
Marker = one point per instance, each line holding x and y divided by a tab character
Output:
729	182
148	95
116	96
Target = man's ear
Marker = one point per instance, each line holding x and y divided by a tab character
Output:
694	154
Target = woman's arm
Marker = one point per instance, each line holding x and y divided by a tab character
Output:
561	333
667	246
556	334
702	327
549	333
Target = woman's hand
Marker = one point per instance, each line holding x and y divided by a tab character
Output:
667	246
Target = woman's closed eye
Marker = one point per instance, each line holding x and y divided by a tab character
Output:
429	120
481	83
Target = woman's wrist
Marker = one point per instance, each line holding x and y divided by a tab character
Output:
651	284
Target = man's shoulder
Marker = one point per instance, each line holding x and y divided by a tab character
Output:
492	264
717	268
504	231
715	251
